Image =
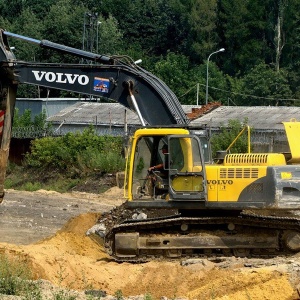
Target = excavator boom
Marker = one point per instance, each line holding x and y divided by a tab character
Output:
114	78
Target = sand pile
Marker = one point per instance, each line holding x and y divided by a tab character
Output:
71	259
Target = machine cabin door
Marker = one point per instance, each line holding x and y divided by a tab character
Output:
181	176
185	163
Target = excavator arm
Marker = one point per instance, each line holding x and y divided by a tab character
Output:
130	86
116	78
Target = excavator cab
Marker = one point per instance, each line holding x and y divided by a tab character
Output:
182	177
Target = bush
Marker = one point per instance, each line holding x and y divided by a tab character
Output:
25	120
222	140
77	153
15	279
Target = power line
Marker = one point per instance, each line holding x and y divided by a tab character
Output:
187	91
245	95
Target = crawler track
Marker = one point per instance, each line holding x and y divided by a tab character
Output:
245	235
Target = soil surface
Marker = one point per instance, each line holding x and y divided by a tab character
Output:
48	230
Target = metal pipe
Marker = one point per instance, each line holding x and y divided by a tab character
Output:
129	84
62	48
21	37
136	107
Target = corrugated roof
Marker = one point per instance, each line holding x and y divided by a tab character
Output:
259	117
104	113
92	112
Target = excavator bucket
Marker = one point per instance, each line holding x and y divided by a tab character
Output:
292	130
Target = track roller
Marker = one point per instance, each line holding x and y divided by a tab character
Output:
291	240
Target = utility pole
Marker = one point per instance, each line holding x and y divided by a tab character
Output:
90	32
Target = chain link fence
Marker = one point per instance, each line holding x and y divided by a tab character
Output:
31	132
262	141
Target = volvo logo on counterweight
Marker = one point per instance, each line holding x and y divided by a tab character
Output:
220	181
61	77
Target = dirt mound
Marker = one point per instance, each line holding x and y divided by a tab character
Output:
71	259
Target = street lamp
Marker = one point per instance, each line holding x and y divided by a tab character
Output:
97	36
206	96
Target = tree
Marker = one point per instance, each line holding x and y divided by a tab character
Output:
26	120
39	8
265	86
279	40
242	26
110	36
10	10
67	29
174	69
27	24
155	26
202	19
217	84
291	32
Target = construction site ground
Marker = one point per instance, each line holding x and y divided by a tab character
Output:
48	230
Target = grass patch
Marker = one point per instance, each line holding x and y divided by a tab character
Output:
29	179
74	162
16	279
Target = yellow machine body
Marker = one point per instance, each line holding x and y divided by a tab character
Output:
238	181
227	181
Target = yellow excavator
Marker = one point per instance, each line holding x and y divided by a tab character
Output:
243	204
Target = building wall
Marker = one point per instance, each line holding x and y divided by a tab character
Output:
51	105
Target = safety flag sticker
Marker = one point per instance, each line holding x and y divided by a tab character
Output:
101	85
2	113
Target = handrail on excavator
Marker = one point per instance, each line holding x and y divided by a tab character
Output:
237	137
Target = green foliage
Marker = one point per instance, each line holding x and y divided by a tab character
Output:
27	24
174	70
174	39
78	154
203	28
63	295
66	29
15	279
182	77
26	126
268	86
140	166
39	8
158	26
119	295
31	187
110	36
244	27
217	84
25	120
227	134
148	296
11	9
